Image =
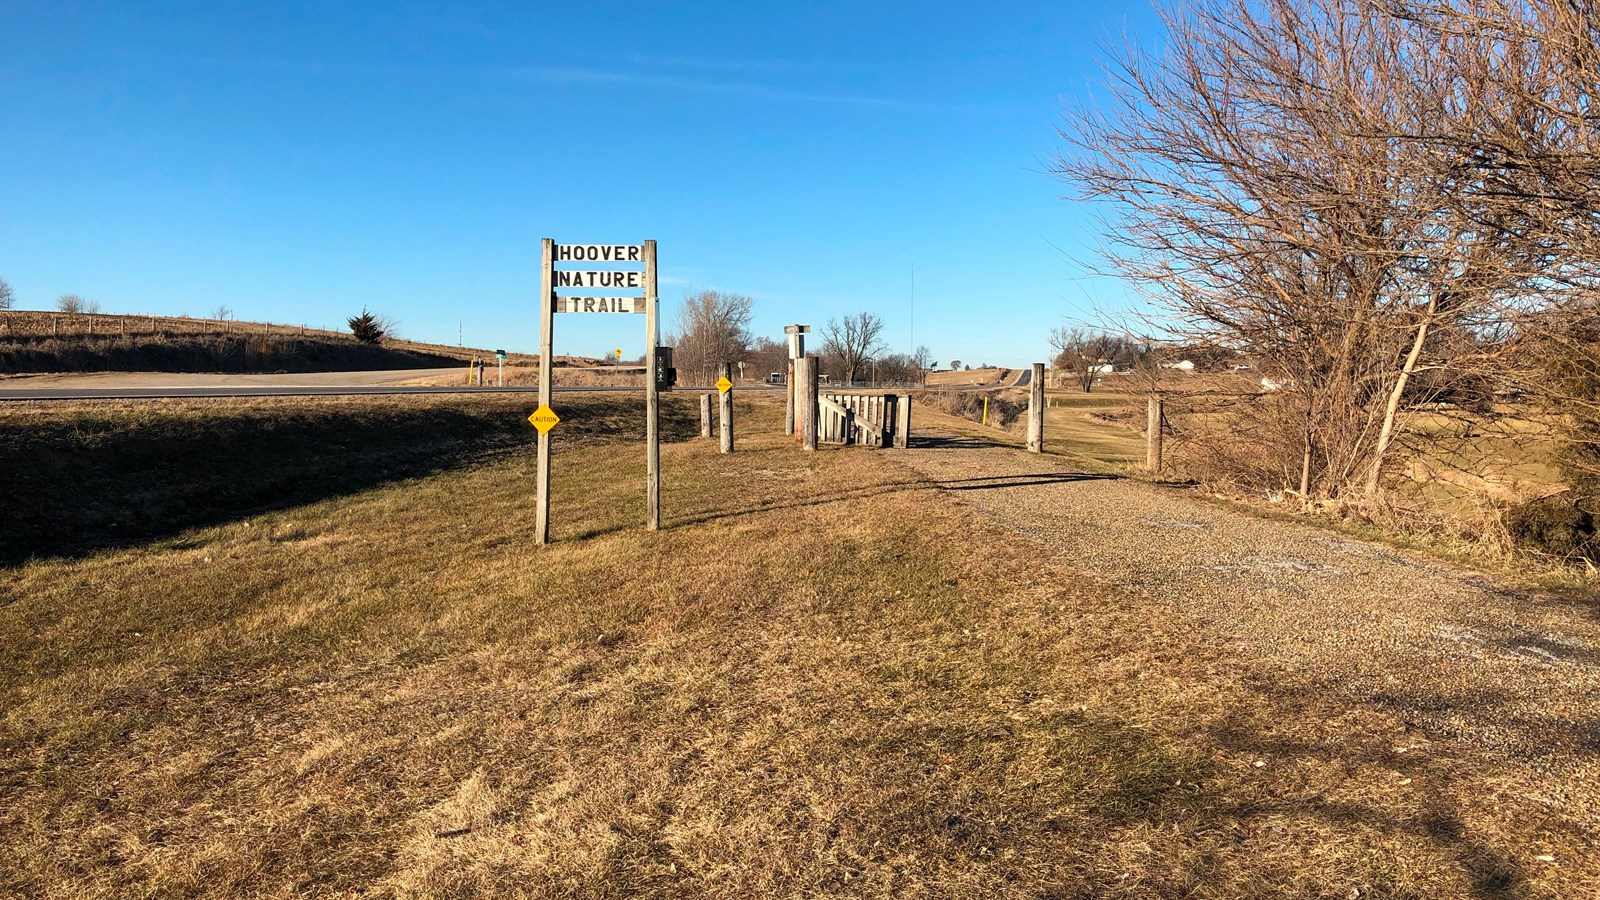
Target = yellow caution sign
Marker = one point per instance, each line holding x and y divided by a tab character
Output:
724	385
544	418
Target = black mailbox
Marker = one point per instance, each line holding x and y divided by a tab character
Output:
666	375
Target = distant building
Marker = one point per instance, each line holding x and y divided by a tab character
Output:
1182	365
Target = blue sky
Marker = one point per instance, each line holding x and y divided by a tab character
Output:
296	161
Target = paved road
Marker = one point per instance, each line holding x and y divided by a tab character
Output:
158	393
75	380
150	386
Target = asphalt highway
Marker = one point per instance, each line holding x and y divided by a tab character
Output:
162	393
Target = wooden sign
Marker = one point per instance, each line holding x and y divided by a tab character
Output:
550	280
600	304
599	279
599	253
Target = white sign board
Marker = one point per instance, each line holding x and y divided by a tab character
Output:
566	279
599	253
600	305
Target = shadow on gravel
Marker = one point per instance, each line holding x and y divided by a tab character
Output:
821	498
1435	817
950	442
1010	481
92	477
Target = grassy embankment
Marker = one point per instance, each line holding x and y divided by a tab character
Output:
32	342
1090	429
822	678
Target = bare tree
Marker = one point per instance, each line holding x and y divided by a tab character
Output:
1086	354
1263	194
713	327
222	313
768	356
93	306
853	340
7	298
922	362
69	303
1531	159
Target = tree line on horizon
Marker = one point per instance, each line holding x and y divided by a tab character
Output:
713	327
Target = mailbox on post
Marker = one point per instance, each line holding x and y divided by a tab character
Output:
666	375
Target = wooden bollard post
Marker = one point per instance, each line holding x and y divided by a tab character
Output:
788	396
1152	455
725	409
1036	409
806	402
705	415
902	424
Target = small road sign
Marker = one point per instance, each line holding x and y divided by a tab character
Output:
500	354
544	418
619	354
724	385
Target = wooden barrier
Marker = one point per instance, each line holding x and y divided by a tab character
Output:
864	419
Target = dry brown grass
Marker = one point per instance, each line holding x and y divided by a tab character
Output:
822	679
26	324
33	341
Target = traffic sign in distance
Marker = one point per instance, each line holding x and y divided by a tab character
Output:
724	385
544	418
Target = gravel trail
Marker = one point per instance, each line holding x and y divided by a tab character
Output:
1460	655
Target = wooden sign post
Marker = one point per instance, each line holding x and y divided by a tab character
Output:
1154	417
797	349
1036	409
725	407
806	405
552	280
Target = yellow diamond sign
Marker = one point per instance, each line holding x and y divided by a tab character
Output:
544	418
724	385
